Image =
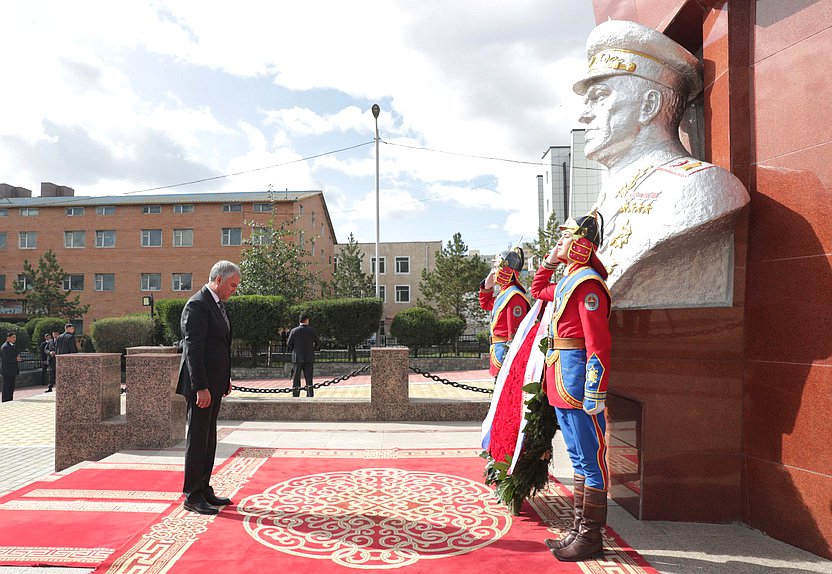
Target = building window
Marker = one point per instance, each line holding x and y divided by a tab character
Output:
24	282
382	267
402	293
232	236
382	293
151	209
182	282
183	237
151	282
260	236
28	211
402	265
105	210
262	207
27	239
74	211
105	238
184	208
151	237
105	281
75	239
4	212
74	282
3	235
232	207
2	282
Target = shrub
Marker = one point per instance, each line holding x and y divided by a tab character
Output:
449	329
347	321
45	325
166	315
115	334
415	327
256	319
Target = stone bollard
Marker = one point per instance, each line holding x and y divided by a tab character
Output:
88	421
388	380
155	413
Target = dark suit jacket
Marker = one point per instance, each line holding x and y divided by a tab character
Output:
8	354
66	344
302	341
206	347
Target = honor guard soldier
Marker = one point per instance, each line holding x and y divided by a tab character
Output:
508	306
576	375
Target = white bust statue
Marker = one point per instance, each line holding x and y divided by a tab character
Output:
668	217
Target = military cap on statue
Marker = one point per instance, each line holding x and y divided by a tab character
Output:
621	47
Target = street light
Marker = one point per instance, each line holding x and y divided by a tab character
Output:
376	110
147	301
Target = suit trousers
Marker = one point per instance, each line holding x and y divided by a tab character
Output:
8	387
306	368
200	448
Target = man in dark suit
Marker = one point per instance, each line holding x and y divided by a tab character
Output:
52	349
44	358
204	378
66	341
302	341
10	358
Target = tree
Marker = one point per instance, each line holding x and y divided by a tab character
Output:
274	263
347	321
415	327
452	287
349	281
44	290
537	250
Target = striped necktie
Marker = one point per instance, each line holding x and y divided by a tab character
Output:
224	314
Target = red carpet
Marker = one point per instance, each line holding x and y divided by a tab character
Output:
308	511
82	518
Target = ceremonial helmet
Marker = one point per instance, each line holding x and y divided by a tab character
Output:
509	264
587	234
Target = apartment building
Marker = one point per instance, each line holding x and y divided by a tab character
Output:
400	271
116	250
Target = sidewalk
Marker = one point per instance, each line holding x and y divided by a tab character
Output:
27	450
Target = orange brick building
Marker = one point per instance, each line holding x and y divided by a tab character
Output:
117	249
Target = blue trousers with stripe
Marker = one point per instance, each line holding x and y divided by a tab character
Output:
586	445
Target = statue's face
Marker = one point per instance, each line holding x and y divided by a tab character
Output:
611	114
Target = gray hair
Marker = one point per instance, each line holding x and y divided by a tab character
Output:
223	268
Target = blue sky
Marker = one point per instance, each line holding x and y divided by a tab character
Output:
115	97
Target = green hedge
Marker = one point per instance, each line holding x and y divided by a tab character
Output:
19	330
448	329
415	327
256	319
347	321
115	334
43	325
166	314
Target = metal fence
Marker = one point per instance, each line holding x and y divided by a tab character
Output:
466	346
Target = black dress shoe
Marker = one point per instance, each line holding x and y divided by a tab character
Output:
214	500
200	507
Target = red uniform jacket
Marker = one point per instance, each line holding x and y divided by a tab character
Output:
586	315
511	316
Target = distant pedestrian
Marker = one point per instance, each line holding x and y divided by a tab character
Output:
284	336
10	367
302	341
52	349
66	341
44	358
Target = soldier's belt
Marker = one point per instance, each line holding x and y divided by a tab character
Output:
564	343
498	339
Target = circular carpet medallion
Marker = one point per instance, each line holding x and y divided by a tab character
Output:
375	517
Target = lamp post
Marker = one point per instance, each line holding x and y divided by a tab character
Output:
147	301
376	110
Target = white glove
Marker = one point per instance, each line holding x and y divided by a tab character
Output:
594	407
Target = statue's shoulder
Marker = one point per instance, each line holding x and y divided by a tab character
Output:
691	170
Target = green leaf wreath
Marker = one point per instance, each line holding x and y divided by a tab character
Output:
531	473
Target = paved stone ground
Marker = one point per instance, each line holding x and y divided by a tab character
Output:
27	449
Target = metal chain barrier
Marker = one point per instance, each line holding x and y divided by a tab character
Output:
340	379
462	386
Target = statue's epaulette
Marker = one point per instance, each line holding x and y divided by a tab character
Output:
685	166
